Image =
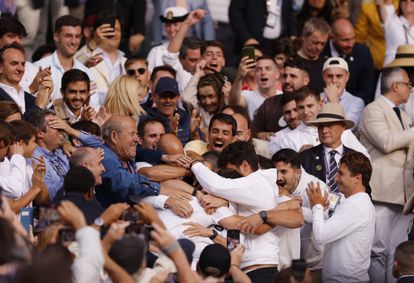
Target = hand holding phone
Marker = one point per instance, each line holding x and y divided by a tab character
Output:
233	239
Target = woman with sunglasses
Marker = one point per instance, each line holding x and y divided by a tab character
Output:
398	25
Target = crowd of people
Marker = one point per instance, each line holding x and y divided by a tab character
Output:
284	154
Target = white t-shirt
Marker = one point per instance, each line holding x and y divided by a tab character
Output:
254	99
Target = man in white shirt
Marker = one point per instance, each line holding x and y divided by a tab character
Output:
67	37
12	68
309	104
253	193
290	117
349	233
335	74
266	76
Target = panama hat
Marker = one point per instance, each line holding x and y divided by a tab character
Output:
404	57
332	113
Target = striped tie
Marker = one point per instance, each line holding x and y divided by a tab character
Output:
333	170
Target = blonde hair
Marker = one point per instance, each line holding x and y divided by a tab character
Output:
124	96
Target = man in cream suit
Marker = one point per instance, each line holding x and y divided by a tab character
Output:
386	133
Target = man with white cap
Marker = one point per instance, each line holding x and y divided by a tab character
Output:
172	18
335	74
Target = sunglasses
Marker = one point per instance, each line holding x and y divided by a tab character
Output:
132	72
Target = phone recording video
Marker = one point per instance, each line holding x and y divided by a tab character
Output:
66	235
233	239
248	51
131	215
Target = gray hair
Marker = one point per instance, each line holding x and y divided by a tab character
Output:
80	156
390	76
114	124
315	24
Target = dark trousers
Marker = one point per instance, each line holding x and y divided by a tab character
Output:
263	275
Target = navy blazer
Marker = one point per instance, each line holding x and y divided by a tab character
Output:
312	161
29	100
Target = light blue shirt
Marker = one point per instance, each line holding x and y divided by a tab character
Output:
57	165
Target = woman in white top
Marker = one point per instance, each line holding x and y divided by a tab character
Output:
398	26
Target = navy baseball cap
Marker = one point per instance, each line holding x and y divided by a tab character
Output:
167	85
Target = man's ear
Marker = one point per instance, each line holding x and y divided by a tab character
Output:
114	137
39	133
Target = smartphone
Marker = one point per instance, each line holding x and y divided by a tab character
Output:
131	215
233	239
147	233
67	235
26	217
134	228
249	52
110	19
333	201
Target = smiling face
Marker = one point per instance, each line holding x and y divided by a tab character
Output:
209	99
13	66
52	138
220	135
94	164
266	74
75	95
67	40
308	108
291	115
125	142
215	60
287	176
171	29
166	103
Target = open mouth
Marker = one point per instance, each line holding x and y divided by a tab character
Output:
263	80
218	144
280	183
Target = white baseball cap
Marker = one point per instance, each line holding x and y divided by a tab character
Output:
335	62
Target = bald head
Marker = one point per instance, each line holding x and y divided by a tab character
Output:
90	158
343	36
81	156
170	144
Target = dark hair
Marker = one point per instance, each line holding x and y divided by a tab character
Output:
305	91
23	130
237	152
226	119
166	68
13	45
37	117
135	58
216	81
6	134
297	63
8	108
238	109
144	122
102	18
357	163
288	156
42	51
229	173
283	46
214	43
404	256
264	162
190	43
72	76
266	57
87	126
79	179
8	24
67	20
212	157
288	97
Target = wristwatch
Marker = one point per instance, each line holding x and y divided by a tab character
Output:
99	222
215	234
263	215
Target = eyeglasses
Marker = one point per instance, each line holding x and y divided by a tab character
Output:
132	72
409	84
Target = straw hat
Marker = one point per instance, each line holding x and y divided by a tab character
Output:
332	113
404	57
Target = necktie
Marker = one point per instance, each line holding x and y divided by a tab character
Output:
333	170
398	112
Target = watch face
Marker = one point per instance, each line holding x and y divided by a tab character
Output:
99	222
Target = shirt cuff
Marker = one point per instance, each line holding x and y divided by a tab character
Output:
160	201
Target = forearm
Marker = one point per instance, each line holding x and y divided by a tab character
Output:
184	272
43	197
235	92
25	200
176	42
162	172
286	218
178	185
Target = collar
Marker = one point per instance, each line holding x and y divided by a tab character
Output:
306	128
105	54
9	88
339	149
389	102
70	114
